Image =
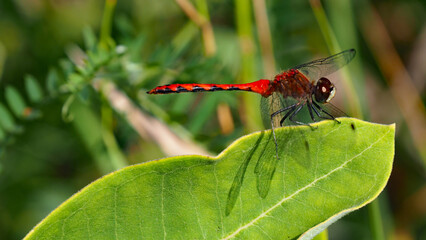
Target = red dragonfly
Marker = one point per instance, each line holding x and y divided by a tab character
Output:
282	99
305	85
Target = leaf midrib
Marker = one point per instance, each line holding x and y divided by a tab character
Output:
265	213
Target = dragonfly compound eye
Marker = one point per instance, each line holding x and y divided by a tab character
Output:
324	90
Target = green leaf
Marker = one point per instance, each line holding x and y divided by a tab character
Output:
33	89
6	119
52	81
322	174
15	101
76	78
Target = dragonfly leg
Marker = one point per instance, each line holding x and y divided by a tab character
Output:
291	108
282	110
294	114
329	116
310	111
275	138
319	114
298	122
287	114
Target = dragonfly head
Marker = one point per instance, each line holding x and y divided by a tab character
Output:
324	90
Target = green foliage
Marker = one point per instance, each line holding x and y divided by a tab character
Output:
33	88
15	101
71	79
322	174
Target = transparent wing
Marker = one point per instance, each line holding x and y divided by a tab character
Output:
270	105
266	164
325	66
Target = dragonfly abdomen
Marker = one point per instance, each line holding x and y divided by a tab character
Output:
260	87
192	87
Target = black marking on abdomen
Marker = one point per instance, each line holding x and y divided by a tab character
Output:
233	88
197	89
165	90
181	89
216	88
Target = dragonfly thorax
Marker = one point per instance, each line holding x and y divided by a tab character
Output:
293	84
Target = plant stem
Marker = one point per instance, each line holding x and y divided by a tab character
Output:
107	22
244	24
201	19
86	124
334	47
265	38
117	158
342	19
376	224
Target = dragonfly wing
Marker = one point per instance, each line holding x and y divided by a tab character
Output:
267	162
268	106
326	66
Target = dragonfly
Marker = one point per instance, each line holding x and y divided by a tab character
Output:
282	99
305	84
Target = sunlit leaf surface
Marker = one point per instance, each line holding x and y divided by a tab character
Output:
321	175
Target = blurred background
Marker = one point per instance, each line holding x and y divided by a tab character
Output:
73	102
